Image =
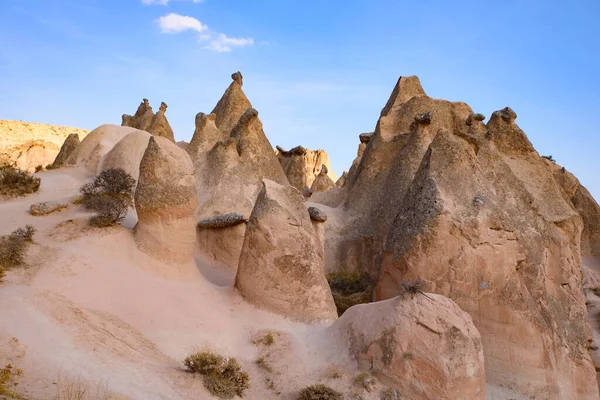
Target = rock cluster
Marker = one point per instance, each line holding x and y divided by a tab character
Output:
302	166
144	119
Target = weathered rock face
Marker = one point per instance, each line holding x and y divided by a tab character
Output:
127	153
323	182
205	136
166	201
423	345
232	105
96	145
302	166
70	144
145	120
342	180
281	266
27	145
46	207
473	210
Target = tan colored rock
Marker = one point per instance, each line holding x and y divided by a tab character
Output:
46	207
145	120
28	145
232	105
473	210
165	201
205	136
342	180
281	265
424	345
96	145
322	182
127	153
70	144
302	166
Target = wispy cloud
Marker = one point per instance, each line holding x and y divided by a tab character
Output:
219	42
223	44
175	23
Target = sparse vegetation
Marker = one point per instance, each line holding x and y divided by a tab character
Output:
15	182
110	195
407	355
264	364
68	388
550	158
13	248
49	167
390	394
266	340
349	288
319	392
39	168
222	377
365	381
413	288
9	381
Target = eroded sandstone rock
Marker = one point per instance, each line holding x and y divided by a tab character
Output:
46	207
70	144
302	166
281	267
144	119
322	182
127	153
165	201
424	345
232	105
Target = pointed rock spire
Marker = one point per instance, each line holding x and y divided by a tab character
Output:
232	105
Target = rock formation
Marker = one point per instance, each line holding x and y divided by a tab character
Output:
302	166
127	153
70	144
165	201
232	105
205	136
472	209
322	182
342	180
94	146
280	267
144	119
424	345
28	145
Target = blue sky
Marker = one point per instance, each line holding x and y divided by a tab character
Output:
318	72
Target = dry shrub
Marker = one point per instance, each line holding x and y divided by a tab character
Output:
39	168
222	377
68	388
109	195
9	381
349	288
319	392
365	381
13	248
264	364
413	288
15	182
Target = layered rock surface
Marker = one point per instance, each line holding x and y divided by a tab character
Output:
28	144
232	105
302	166
166	201
144	119
281	267
70	144
474	210
424	345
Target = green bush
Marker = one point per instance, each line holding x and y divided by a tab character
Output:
15	182
319	392
109	195
222	377
349	289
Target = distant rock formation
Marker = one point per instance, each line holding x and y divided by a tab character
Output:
96	145
473	209
322	182
144	119
165	202
279	268
232	105
302	166
28	145
424	345
70	144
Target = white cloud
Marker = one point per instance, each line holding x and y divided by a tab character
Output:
223	43
175	23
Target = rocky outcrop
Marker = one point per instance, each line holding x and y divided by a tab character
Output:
165	201
127	153
28	145
205	136
70	144
144	119
474	210
323	182
302	166
96	145
222	221
46	207
232	105
281	267
424	345
342	180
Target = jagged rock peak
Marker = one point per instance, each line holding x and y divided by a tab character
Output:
406	88
231	106
144	119
365	137
237	77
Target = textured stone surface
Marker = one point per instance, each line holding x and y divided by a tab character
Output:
302	166
424	345
222	221
316	214
144	119
46	207
70	144
281	265
322	182
165	201
232	105
127	153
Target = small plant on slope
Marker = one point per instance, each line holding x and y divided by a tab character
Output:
110	195
13	248
319	392
15	182
222	377
8	381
